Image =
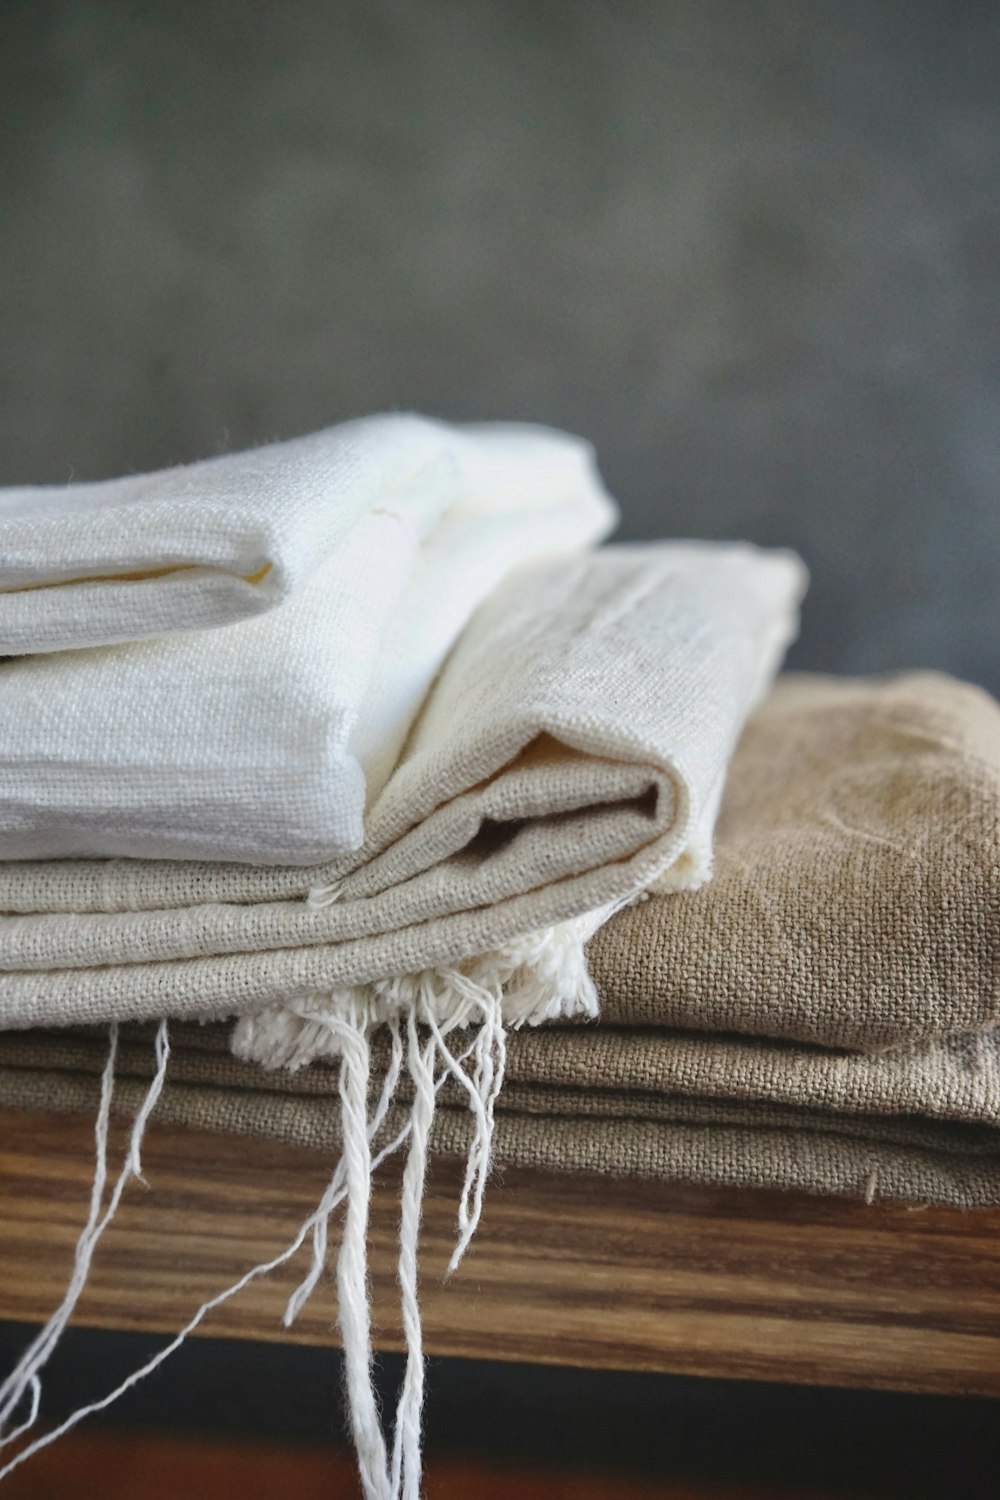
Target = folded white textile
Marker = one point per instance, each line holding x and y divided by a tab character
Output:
210	543
264	742
572	753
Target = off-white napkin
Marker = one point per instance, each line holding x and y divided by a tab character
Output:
263	742
206	544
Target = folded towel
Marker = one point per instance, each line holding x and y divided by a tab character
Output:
263	742
210	543
573	752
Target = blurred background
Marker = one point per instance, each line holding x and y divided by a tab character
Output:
750	247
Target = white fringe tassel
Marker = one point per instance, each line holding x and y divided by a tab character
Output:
353	1301
420	1012
332	1198
343	1028
540	977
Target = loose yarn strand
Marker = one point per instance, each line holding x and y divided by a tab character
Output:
264	1269
308	1285
353	1302
482	1089
327	1205
350	1180
39	1350
406	1464
34	1385
161	1048
490	1071
158	1359
490	1055
45	1343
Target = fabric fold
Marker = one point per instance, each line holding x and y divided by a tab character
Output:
822	1016
265	742
853	1047
572	752
209	543
729	1112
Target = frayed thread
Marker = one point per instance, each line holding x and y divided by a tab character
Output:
540	977
332	1198
25	1376
411	1008
415	1012
321	1229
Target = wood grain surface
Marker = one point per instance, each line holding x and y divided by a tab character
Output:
567	1270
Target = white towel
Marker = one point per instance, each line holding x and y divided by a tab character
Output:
265	741
209	543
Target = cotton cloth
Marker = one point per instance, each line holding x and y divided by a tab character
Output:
865	814
266	741
573	751
210	543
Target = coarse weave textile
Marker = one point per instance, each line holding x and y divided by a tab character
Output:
572	752
856	896
210	543
741	1112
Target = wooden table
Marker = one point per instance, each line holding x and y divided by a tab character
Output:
568	1270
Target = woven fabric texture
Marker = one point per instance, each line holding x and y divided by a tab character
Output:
265	741
856	896
875	1067
573	750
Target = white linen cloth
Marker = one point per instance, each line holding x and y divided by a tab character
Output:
262	742
209	543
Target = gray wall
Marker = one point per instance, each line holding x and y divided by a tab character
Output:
752	249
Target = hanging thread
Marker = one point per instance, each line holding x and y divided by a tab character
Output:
36	1356
405	1007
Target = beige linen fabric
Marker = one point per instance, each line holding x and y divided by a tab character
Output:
862	817
596	1069
572	751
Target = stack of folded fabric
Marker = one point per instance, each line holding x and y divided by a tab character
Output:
462	777
353	742
824	1015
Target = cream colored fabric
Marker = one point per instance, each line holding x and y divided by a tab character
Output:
266	741
573	751
210	543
